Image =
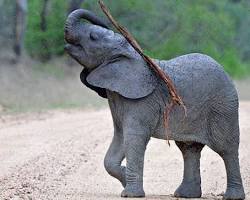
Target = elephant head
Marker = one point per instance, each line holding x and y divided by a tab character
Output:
108	59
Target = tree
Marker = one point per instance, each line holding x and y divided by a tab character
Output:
20	26
44	14
235	1
43	25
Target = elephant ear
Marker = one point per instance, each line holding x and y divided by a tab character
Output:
100	91
130	78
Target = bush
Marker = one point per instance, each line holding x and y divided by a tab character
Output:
49	43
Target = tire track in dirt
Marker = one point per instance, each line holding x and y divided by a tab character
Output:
40	176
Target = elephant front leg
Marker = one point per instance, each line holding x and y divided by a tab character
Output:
191	183
134	146
113	159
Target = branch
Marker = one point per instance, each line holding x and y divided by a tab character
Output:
175	97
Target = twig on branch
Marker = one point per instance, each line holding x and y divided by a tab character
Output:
175	98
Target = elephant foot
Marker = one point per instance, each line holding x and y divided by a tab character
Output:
133	192
234	193
188	190
123	179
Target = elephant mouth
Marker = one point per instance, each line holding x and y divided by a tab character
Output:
77	52
69	47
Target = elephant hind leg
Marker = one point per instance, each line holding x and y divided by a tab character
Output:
191	183
224	139
229	153
235	188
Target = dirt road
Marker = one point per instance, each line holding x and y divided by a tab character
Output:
59	155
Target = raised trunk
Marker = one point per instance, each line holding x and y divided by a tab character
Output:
73	22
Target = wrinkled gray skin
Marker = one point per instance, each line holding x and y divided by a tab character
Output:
137	99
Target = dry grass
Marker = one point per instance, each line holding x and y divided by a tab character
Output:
32	86
243	89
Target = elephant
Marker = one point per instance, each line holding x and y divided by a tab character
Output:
137	98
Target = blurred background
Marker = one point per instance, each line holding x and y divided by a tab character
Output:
36	74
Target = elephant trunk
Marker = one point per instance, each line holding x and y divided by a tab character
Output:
73	22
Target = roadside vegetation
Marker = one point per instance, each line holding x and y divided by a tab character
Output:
33	86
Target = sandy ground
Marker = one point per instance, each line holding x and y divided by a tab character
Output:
59	155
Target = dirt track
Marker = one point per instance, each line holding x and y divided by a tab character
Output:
59	155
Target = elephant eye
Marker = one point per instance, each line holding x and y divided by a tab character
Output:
94	36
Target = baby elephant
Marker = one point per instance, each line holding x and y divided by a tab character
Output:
138	98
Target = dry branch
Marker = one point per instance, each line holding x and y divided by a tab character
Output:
175	98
